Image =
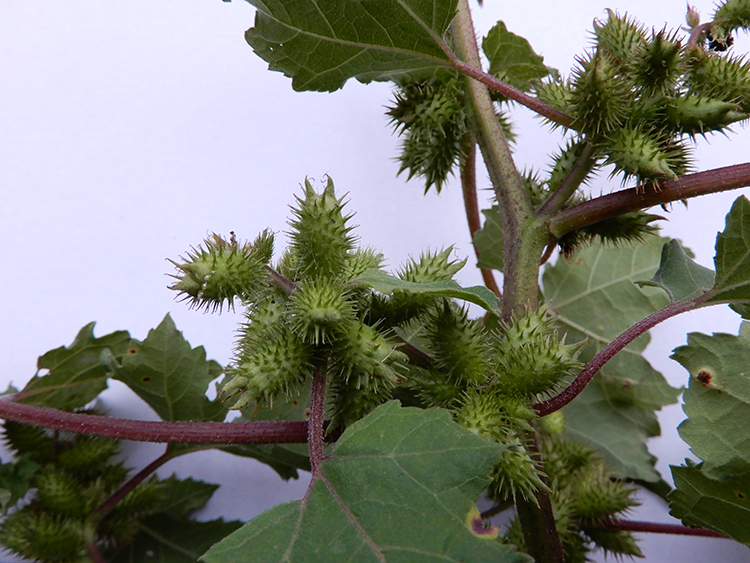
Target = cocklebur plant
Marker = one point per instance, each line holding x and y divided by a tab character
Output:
411	404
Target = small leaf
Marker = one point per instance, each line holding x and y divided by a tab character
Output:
391	481
723	506
489	241
15	480
78	373
183	496
732	258
323	43
679	275
717	401
171	376
386	283
596	299
512	59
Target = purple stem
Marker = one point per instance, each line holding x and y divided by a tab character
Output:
609	351
658	528
317	412
261	432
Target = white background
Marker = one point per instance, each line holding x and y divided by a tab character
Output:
131	130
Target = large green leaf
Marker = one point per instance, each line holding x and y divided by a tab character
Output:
170	376
399	486
489	241
77	373
386	283
717	401
732	258
679	275
596	299
323	43
512	59
723	505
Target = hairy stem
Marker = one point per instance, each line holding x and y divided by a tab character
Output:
657	528
609	351
104	508
534	104
471	204
578	173
317	411
523	232
261	432
645	196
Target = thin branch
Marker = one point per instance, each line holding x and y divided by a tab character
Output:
280	281
261	432
696	32
317	411
609	351
578	173
471	205
104	508
534	104
657	528
648	195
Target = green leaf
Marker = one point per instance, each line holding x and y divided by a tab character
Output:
717	401
399	486
78	373
596	299
323	43
15	480
723	506
732	258
171	376
679	275
489	241
386	283
183	496
512	59
170	540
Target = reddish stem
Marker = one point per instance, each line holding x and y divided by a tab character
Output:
509	91
261	432
609	351
132	483
471	205
649	195
657	528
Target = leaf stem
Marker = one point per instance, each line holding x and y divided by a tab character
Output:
648	195
578	173
317	412
609	351
534	104
657	528
259	432
471	204
104	508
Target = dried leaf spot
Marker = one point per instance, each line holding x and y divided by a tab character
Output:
705	377
740	495
476	525
146	379
132	350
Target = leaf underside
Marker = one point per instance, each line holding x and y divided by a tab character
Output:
397	487
323	43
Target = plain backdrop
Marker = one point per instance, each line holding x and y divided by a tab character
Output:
130	131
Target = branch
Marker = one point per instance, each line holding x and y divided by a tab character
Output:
578	173
534	104
471	205
648	195
261	432
657	528
104	508
609	351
